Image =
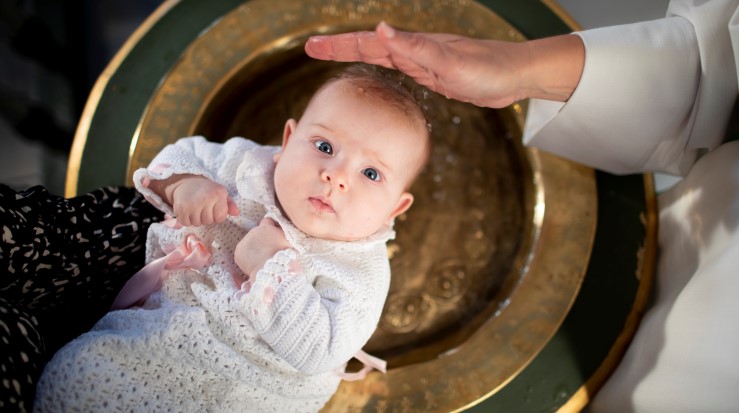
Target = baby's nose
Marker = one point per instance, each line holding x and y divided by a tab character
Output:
336	178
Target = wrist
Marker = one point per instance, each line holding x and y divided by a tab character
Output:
254	269
553	67
165	188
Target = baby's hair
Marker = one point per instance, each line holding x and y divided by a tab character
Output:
390	86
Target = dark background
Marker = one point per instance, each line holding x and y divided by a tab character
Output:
52	52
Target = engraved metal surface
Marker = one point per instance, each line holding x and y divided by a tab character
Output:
488	260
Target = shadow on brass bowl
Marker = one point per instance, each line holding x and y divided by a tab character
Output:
490	258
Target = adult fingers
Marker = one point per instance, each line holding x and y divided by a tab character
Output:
348	47
422	56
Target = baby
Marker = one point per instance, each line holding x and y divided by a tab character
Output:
274	273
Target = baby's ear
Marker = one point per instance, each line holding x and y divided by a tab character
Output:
405	202
290	126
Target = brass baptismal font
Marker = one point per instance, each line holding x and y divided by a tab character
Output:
487	262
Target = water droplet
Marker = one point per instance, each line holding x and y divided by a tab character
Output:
560	392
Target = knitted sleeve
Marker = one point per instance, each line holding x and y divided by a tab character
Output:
193	156
317	327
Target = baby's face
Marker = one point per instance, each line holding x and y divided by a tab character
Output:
345	167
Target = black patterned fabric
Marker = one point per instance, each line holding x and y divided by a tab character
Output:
62	261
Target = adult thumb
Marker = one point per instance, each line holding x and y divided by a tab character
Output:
409	49
392	39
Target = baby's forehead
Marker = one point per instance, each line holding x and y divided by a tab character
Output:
381	102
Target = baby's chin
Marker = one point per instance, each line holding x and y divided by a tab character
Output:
324	231
332	235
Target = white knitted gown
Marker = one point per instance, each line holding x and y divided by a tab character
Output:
200	345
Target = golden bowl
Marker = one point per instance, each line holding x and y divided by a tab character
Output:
489	260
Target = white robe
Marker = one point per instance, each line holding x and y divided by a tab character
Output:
199	343
652	97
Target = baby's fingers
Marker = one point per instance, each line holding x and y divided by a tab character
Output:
233	210
183	215
219	212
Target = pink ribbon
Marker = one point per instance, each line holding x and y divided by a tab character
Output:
191	254
369	362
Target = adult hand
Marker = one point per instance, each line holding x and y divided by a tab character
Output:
196	200
488	73
259	245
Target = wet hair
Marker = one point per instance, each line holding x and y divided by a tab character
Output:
390	86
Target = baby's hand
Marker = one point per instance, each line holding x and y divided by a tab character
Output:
197	200
259	245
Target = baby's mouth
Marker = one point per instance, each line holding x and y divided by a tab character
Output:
322	205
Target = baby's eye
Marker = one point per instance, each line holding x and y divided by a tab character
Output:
372	174
324	147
